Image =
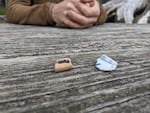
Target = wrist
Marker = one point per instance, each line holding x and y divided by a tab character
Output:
51	11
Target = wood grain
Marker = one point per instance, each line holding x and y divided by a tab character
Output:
28	83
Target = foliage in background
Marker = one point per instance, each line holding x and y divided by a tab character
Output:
2	10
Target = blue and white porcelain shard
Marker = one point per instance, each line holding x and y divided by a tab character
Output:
105	63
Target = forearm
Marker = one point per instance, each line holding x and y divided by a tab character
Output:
24	13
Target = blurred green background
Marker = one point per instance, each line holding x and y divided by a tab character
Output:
2	6
2	10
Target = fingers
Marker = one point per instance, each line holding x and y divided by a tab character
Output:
70	6
87	11
87	16
80	19
75	19
89	2
72	24
68	14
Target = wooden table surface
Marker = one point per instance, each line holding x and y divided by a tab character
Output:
28	83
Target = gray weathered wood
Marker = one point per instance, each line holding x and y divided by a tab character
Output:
28	83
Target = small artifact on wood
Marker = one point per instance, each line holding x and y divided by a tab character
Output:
63	64
105	63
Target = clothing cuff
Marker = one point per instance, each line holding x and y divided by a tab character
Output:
50	20
103	15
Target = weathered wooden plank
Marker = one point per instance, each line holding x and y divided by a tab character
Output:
28	83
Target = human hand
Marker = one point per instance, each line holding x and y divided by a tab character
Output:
89	14
128	9
74	14
59	12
